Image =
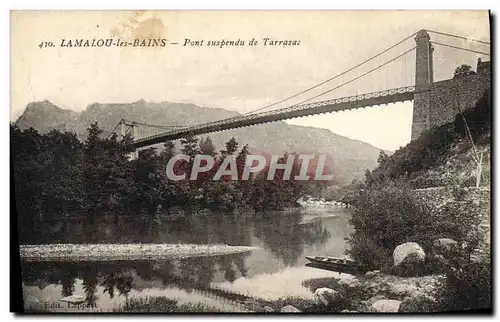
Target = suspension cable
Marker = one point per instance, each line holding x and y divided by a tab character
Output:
332	78
324	82
343	73
113	130
341	85
461	48
356	78
460	37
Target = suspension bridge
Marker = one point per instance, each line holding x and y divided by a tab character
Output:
401	72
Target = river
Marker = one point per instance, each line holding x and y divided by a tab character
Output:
275	270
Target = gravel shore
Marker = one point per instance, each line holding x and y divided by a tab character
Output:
113	252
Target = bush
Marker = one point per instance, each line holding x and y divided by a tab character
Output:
162	304
300	303
459	219
419	304
364	250
350	295
467	286
385	217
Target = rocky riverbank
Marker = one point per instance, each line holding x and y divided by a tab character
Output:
375	292
320	202
407	286
113	252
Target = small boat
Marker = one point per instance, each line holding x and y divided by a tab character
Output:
342	265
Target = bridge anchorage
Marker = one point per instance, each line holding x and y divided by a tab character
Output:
401	72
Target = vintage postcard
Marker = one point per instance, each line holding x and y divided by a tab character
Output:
251	161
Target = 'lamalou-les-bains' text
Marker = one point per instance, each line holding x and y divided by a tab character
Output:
109	42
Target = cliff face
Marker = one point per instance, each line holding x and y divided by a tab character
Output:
348	158
45	116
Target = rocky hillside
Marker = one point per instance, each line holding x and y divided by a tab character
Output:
449	166
349	158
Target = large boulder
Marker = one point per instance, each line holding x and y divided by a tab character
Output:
442	251
326	296
409	260
348	281
402	251
290	309
443	246
383	306
375	299
253	305
372	273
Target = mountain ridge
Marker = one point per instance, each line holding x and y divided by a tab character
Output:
350	157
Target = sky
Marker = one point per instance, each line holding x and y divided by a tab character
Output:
239	78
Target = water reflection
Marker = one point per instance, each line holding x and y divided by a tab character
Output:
119	278
284	238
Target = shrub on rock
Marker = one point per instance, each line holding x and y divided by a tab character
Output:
467	287
443	245
327	296
375	299
419	303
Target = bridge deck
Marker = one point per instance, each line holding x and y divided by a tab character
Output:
334	105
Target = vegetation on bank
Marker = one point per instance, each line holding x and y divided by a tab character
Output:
163	304
434	147
358	294
57	176
388	212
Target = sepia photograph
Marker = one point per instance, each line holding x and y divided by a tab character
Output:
254	162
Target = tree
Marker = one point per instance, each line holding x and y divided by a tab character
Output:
369	177
189	188
463	70
56	174
189	145
168	153
107	173
207	147
231	146
243	188
46	177
241	160
147	190
382	158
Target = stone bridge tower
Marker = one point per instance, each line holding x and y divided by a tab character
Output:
423	82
